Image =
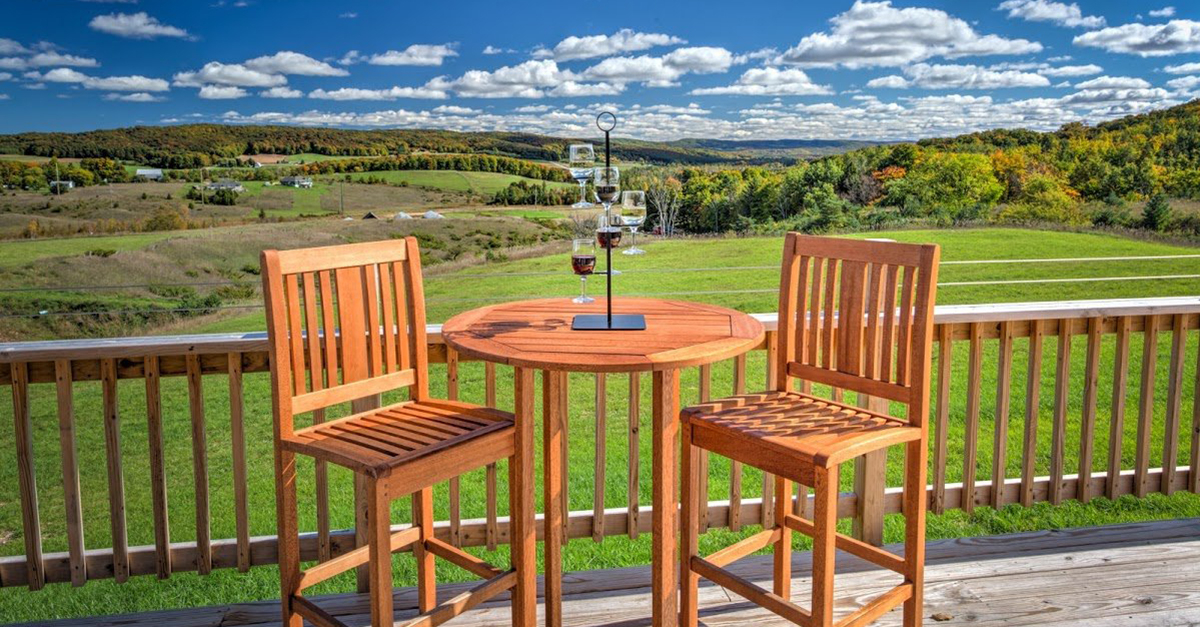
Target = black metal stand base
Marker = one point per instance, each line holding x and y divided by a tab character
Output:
599	322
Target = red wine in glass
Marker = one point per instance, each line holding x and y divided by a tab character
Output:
608	237
583	264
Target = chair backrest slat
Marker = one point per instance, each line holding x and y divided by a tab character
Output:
858	316
344	322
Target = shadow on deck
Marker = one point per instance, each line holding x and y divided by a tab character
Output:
1129	575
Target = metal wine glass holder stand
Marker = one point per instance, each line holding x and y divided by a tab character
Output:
607	321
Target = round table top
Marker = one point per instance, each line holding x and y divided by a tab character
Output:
537	334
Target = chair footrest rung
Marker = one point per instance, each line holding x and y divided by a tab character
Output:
881	605
315	614
465	601
462	559
750	591
356	557
744	547
853	546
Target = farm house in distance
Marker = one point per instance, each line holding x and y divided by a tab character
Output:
304	182
226	184
150	174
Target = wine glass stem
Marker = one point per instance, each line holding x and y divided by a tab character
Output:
583	192
583	286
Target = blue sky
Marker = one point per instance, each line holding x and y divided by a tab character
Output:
746	70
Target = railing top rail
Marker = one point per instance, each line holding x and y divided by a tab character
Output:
214	343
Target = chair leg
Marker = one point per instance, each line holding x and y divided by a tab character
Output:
289	535
379	547
689	542
422	516
783	546
825	521
914	529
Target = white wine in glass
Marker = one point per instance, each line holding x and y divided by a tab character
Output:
633	214
583	158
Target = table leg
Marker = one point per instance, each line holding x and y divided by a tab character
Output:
665	435
553	417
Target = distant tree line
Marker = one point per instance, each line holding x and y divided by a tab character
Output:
1077	175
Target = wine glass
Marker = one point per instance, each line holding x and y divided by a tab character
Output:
583	157
583	263
606	184
633	214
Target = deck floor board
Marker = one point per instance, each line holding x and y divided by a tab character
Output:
1131	575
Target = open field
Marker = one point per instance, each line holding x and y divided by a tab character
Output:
185	269
663	270
742	273
477	183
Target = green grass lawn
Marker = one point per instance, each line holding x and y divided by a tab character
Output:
668	268
21	252
481	183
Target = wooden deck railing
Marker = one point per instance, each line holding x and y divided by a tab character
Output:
1018	338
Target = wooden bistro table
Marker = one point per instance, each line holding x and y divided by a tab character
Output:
536	335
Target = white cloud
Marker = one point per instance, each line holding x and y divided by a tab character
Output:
529	79
1113	82
769	81
140	96
416	54
13	63
107	83
135	26
877	34
4	76
888	82
349	15
222	92
1186	83
768	56
1183	68
573	89
533	109
288	62
4	96
664	71
455	110
9	46
354	93
281	92
929	76
1071	70
1146	40
234	74
1060	58
59	75
44	59
1068	15
494	50
592	46
1163	12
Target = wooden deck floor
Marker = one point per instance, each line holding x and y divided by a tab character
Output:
1129	575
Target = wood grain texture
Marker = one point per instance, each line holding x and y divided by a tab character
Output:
70	471
115	467
31	525
537	334
1058	427
158	471
1003	397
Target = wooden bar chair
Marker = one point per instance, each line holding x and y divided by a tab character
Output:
853	315
347	323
